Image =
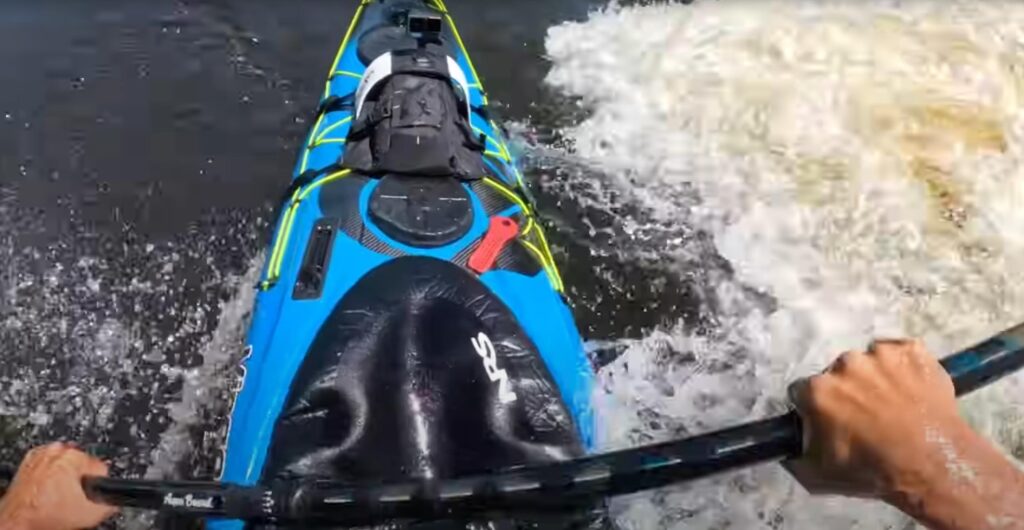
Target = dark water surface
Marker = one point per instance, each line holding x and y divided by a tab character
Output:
143	146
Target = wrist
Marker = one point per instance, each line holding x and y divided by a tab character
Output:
923	468
958	481
14	518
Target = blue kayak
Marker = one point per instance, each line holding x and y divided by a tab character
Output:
411	320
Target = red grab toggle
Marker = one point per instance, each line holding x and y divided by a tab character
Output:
502	231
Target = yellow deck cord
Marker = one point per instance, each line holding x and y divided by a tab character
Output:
559	284
543	253
317	139
502	145
280	243
519	177
305	152
501	153
284	232
439	4
331	141
331	127
509	194
487	137
540	257
317	136
348	36
346	73
341	49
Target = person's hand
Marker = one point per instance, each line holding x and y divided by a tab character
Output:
877	423
47	492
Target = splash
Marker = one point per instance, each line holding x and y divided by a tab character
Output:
858	164
202	410
127	354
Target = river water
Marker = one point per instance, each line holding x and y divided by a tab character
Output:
744	190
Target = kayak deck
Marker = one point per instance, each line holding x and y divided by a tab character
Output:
325	244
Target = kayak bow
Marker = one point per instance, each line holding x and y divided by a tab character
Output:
411	321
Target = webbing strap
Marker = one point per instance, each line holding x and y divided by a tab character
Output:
304	179
484	111
336	103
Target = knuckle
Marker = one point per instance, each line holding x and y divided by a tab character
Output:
101	468
920	358
851	360
895	356
841	362
819	389
43	454
51	449
890	351
917	349
888	348
75	458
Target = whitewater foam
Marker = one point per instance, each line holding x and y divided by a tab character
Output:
860	164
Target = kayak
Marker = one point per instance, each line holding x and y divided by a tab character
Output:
411	322
412	356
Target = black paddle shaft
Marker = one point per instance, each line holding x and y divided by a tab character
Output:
583	481
519	491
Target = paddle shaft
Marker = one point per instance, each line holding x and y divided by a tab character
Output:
542	489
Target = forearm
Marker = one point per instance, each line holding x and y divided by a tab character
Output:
967	485
12	518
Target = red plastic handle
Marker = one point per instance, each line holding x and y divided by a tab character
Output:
502	231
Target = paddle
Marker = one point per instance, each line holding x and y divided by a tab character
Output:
519	491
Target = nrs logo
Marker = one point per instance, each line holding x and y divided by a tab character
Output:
485	349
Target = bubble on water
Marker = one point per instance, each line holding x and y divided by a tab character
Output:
858	166
39	419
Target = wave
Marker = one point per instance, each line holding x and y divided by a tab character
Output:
860	166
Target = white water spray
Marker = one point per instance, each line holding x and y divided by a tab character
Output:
859	163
